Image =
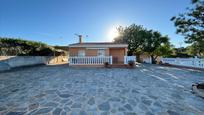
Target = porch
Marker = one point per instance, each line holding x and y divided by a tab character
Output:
99	60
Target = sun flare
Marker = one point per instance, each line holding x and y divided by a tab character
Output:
112	33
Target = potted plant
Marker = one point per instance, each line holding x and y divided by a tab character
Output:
131	64
107	65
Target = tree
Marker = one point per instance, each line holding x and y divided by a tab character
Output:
153	43
165	50
191	23
134	36
141	40
196	49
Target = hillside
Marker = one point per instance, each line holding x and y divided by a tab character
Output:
20	47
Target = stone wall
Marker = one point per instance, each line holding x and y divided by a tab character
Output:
7	62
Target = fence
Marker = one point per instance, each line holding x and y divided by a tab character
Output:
90	60
188	62
129	58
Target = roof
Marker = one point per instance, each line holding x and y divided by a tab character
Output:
99	44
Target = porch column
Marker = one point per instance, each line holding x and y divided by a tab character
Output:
126	50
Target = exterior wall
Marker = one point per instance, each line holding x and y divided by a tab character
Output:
74	51
91	52
118	54
7	62
145	58
88	52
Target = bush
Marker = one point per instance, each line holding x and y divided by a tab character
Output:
107	65
19	47
131	64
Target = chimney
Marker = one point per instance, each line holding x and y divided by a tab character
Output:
80	39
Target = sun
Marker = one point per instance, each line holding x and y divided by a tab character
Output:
112	33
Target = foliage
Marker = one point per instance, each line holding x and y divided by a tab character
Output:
153	43
191	23
165	50
141	40
196	49
14	47
133	35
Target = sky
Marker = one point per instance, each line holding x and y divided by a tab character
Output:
56	21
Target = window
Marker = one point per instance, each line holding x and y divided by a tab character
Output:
101	52
81	53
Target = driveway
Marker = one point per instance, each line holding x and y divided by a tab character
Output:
145	90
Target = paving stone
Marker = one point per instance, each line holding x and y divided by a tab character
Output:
100	90
149	113
113	111
63	113
69	103
51	104
57	111
147	102
121	109
91	101
15	113
134	91
43	111
40	95
67	109
105	113
33	106
104	106
172	112
128	107
132	102
114	99
130	113
32	112
82	113
64	95
2	108
76	105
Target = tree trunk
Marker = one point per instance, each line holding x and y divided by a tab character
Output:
153	59
137	57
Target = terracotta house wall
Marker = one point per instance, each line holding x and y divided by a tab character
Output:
91	52
74	51
88	52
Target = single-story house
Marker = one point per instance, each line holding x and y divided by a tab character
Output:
97	53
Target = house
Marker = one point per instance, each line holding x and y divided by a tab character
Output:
97	53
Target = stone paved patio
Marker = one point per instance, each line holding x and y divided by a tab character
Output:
148	90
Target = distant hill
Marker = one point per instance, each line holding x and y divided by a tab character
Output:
20	47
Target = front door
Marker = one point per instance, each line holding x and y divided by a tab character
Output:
117	55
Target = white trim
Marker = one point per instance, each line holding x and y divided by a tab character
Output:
100	46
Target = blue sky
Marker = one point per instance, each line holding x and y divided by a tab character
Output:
56	21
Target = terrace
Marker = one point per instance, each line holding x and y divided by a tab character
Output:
60	89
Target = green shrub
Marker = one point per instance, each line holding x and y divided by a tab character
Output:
19	47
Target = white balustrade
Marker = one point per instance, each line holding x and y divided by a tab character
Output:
189	62
129	58
90	60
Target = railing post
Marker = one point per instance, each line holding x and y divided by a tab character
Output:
111	60
125	60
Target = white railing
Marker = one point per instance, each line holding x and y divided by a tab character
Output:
90	60
129	58
189	62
